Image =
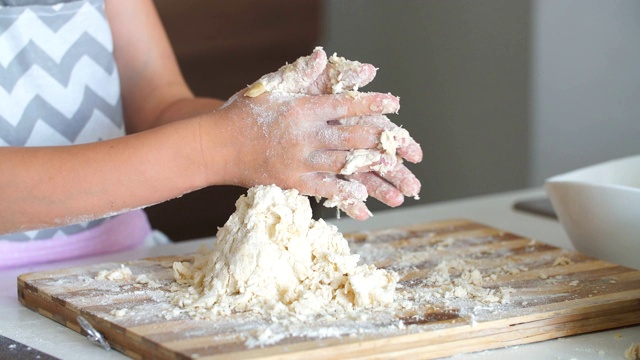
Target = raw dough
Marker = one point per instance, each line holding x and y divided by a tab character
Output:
122	273
272	258
381	160
633	352
290	79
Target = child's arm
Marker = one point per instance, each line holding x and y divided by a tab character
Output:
261	140
153	89
288	141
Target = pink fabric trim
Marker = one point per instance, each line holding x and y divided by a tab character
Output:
119	233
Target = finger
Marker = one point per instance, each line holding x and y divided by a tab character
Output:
409	149
342	75
293	78
379	188
404	180
355	77
348	137
327	161
348	196
350	162
340	106
381	121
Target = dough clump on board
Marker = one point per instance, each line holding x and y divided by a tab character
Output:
121	273
633	352
272	258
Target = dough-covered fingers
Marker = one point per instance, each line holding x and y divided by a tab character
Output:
404	180
315	75
327	161
331	107
348	137
348	196
408	148
379	188
391	188
294	78
351	162
342	75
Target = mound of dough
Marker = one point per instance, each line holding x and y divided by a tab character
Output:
272	258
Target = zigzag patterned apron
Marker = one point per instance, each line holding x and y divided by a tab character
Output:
59	85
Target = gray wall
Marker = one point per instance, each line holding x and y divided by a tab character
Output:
586	84
501	93
461	69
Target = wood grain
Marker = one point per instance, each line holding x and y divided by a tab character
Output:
555	293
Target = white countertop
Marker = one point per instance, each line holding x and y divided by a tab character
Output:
38	332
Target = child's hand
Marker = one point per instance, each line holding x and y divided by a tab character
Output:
391	186
317	75
289	140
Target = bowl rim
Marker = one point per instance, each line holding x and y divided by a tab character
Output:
551	183
569	177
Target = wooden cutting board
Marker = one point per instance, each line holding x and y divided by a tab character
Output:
516	291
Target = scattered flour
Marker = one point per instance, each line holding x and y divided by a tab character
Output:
272	258
458	279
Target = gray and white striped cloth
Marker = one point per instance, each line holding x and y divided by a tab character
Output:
59	83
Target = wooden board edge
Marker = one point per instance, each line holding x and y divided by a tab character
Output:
440	344
117	338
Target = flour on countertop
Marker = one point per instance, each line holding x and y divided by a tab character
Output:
272	258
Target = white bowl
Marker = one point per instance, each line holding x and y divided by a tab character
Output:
599	208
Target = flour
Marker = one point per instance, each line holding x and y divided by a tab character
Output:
271	258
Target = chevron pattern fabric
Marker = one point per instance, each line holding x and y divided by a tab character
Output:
59	83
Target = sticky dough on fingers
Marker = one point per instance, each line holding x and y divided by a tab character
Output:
315	75
406	146
380	160
348	196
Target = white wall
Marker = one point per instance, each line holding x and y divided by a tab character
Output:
585	84
461	69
